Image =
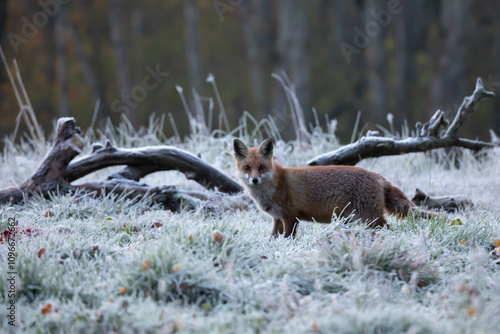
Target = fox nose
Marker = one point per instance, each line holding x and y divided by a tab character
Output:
255	181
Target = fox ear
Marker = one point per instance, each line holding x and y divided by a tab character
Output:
266	148
240	149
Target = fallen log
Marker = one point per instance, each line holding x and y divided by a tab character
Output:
57	171
146	160
432	135
449	203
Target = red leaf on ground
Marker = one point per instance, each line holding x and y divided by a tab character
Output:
28	231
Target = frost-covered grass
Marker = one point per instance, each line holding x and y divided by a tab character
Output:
110	265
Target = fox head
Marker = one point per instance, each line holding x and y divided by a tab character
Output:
254	164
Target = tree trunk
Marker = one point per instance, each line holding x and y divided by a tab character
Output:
375	54
3	16
405	60
448	83
62	73
96	59
87	70
191	19
292	57
120	50
250	25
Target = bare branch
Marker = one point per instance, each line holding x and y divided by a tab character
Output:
436	122
428	137
468	106
145	160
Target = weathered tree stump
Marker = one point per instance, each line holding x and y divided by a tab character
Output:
49	176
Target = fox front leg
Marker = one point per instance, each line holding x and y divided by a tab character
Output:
277	228
290	227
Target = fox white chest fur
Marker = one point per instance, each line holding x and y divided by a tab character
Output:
262	192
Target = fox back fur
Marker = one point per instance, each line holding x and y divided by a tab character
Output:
316	193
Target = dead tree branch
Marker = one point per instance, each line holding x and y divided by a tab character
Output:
432	135
146	160
448	203
57	171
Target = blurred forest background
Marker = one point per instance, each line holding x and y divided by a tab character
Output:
408	58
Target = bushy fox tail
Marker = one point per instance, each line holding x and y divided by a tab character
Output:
398	204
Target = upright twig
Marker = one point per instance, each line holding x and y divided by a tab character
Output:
295	108
191	119
25	108
223	114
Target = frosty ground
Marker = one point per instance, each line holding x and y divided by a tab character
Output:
112	265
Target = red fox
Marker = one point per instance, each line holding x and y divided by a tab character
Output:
316	193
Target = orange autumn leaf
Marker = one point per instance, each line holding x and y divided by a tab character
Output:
123	290
41	252
471	312
47	308
145	265
218	236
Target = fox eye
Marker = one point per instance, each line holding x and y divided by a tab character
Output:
261	167
247	167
